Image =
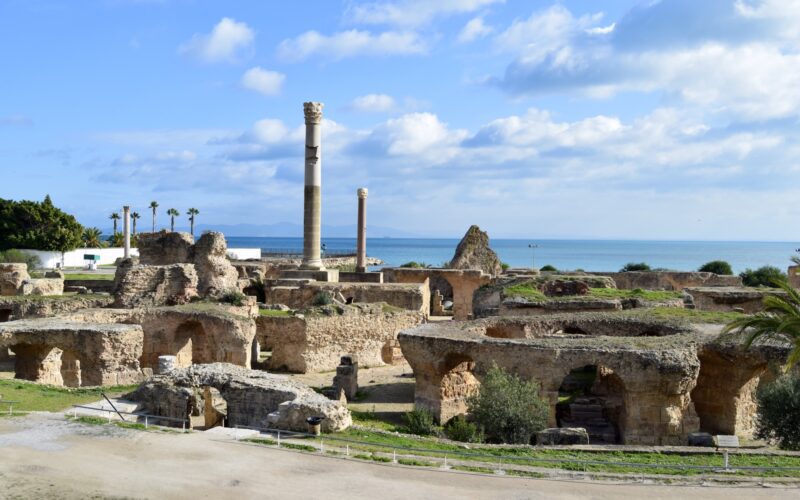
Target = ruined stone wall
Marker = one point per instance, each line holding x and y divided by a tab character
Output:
748	300
154	285
412	296
793	272
61	352
15	280
255	399
464	283
669	280
316	341
21	307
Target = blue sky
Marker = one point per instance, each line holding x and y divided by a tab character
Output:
569	119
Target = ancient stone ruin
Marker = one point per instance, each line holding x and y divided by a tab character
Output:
473	252
248	398
15	280
626	379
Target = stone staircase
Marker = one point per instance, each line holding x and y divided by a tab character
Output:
587	412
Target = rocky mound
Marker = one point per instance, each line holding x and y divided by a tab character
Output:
473	252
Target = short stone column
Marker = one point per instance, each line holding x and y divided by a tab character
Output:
346	379
167	363
312	200
361	245
126	230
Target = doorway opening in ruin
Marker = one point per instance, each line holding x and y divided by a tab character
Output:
190	344
593	397
207	409
458	383
724	396
5	315
47	365
574	330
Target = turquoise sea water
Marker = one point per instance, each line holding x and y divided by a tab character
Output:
589	255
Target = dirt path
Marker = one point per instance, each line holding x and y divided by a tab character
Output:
44	456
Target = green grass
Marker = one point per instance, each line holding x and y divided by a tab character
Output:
261	441
372	421
530	291
416	463
612	461
690	315
373	457
471	468
275	313
299	447
37	397
88	276
90	420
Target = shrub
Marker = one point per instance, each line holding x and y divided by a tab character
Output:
415	265
505	266
548	268
459	429
322	299
233	297
37	226
635	266
779	412
716	267
20	257
763	276
508	409
420	421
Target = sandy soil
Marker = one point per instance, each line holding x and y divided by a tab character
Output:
44	456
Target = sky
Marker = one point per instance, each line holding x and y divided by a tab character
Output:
670	120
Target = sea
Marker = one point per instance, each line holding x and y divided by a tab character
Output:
588	255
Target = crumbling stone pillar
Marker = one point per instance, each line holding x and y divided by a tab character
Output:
312	201
126	230
346	378
361	246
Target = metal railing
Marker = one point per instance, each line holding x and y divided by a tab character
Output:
147	416
503	461
10	405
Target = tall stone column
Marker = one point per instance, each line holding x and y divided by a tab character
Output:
361	244
126	229
312	204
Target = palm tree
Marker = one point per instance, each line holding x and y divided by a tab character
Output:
153	206
135	216
114	217
192	212
779	319
172	212
91	237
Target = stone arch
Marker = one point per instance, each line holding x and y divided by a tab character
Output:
47	364
190	344
724	395
457	383
593	397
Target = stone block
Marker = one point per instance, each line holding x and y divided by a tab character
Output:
562	436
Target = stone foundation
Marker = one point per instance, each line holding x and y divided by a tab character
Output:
315	340
58	352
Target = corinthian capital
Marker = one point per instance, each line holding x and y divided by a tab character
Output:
313	111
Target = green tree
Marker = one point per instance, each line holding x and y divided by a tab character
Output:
716	267
153	207
763	276
37	226
635	266
135	217
192	213
116	240
778	407
92	237
172	212
114	217
508	409
780	319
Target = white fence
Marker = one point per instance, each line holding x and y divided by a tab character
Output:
110	255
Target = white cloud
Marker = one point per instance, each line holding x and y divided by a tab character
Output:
473	30
373	103
263	81
228	41
412	13
351	43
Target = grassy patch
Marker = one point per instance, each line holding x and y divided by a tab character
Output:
388	308
371	420
608	461
416	463
638	293
262	441
373	457
275	313
300	447
470	468
88	276
85	419
37	397
529	291
690	315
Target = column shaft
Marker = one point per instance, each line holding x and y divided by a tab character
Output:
361	243
312	200
126	230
